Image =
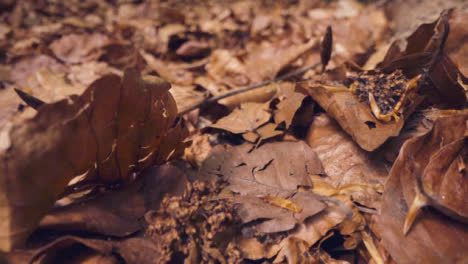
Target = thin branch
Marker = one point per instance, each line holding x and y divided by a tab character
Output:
248	88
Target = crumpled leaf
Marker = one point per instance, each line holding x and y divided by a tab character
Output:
117	126
434	237
76	48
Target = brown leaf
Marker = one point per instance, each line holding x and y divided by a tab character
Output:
441	87
247	117
225	68
177	76
289	103
265	170
40	160
434	237
356	118
193	48
266	60
76	48
344	162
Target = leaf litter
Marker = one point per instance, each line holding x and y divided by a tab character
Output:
233	132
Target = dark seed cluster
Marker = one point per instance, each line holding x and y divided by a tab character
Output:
196	226
386	88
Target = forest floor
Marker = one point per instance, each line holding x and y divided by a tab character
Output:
264	131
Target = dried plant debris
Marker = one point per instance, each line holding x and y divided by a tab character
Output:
197	226
382	90
327	146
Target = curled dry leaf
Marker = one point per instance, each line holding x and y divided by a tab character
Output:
117	126
430	169
364	122
441	86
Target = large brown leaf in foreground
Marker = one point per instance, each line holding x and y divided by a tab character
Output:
436	236
116	127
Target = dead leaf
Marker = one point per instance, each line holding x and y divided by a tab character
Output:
356	119
434	237
177	76
40	147
289	102
227	69
266	60
76	48
247	117
265	170
344	162
193	48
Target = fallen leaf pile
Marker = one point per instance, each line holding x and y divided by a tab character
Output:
234	131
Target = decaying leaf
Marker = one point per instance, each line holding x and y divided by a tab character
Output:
265	183
428	166
343	161
76	48
116	127
265	170
356	117
289	102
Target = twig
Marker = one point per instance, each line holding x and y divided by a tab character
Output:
36	103
248	88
